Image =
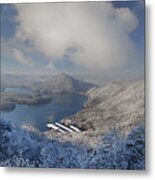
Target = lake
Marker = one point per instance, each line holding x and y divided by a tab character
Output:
62	105
18	90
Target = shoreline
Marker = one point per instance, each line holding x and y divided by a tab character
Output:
9	100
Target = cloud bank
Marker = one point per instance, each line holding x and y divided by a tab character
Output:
92	35
21	57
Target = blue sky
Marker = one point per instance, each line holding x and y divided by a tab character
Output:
33	52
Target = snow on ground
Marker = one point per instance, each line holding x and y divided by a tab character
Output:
23	148
115	105
113	136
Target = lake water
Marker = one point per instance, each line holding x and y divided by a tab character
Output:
62	105
18	90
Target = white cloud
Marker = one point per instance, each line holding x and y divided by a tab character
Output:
21	58
98	32
126	19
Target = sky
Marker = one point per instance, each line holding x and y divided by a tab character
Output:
103	39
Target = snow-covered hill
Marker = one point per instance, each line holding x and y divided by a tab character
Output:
64	83
117	106
21	148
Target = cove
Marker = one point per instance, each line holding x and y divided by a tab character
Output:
62	105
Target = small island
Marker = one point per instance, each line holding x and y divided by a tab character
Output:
7	105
